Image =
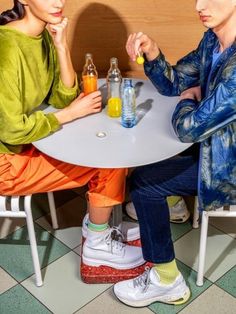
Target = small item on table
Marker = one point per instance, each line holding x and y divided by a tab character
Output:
140	58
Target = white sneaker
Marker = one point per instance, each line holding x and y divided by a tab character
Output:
130	210
178	213
147	288
130	230
100	248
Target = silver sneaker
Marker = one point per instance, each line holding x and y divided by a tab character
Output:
130	230
147	289
178	213
105	249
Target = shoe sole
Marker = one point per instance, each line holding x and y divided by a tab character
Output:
96	263
180	220
131	216
168	300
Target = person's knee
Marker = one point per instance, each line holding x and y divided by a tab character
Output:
147	184
137	179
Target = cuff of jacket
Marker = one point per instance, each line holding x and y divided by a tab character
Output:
54	123
185	106
158	64
69	90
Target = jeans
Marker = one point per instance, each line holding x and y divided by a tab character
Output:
150	185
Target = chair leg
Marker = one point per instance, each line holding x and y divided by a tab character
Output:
202	248
116	215
32	239
52	208
196	214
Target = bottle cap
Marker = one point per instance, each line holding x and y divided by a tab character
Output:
114	60
88	55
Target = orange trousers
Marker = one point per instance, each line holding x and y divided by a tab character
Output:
34	172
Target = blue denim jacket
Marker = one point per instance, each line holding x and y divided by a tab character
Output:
212	121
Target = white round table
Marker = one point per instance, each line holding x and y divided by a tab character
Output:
101	142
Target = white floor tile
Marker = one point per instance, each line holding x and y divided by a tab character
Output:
78	249
63	291
107	303
220	252
6	281
227	225
69	236
213	300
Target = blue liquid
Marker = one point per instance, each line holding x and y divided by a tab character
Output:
128	123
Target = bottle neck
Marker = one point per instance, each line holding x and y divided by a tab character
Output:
113	66
89	67
128	83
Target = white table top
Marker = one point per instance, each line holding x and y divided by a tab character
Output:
151	140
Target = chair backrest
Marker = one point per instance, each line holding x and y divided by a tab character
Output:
14	206
226	211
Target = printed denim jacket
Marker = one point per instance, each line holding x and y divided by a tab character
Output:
212	121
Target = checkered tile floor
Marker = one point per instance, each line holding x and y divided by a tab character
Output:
63	291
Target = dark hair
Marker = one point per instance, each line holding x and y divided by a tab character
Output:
16	13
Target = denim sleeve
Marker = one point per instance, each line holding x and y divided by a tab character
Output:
194	122
172	80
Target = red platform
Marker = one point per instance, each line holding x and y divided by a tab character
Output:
106	274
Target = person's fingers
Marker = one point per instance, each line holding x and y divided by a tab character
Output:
130	46
94	94
81	95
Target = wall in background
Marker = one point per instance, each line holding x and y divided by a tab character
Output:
102	27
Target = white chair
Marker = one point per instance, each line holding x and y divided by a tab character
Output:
227	211
196	215
20	207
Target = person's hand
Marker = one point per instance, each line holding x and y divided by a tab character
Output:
59	33
80	107
139	43
192	93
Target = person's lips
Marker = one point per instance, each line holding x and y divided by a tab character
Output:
57	14
204	18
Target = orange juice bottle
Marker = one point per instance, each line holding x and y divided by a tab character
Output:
89	75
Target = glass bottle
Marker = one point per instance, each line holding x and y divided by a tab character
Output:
114	80
128	118
89	75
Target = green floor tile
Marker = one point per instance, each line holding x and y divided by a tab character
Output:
190	277
19	300
15	255
178	230
39	205
228	282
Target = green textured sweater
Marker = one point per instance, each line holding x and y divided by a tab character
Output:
29	76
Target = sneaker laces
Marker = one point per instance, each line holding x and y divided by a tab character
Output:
143	280
117	234
114	239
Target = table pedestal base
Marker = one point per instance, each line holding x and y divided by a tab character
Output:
106	274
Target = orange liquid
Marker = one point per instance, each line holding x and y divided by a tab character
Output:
89	84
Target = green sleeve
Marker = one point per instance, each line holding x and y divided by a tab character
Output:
60	96
17	125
